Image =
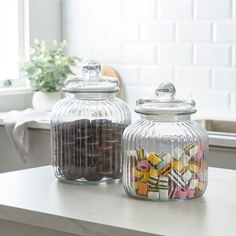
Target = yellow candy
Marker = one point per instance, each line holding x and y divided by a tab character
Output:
140	154
138	174
154	158
178	165
200	186
152	181
187	148
134	185
154	172
193	168
145	177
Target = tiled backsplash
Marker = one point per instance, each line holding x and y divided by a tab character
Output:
189	42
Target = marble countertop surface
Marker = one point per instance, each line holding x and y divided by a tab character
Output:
35	197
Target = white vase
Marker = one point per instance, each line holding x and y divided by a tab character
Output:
44	101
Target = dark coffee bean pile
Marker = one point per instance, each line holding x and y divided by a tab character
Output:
88	149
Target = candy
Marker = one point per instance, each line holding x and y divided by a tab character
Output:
145	177
193	183
178	152
137	174
193	168
177	178
178	165
181	194
190	193
153	195
198	156
167	157
142	189
166	170
163	194
191	150
201	176
153	158
203	166
143	165
163	182
140	154
185	159
161	165
202	147
152	182
187	176
154	173
134	185
172	193
161	176
200	185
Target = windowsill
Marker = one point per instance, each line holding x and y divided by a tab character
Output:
43	125
15	90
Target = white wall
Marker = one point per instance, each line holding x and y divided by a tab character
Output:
189	42
44	20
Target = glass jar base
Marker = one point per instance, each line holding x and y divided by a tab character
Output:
83	181
138	197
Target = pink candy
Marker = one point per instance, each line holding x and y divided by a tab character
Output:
143	165
201	176
198	156
190	193
202	147
181	194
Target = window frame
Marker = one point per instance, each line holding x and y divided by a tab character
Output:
21	83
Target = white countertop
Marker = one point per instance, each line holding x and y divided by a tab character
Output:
36	198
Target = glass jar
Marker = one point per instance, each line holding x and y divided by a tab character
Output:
165	151
87	128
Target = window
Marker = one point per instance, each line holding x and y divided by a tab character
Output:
11	42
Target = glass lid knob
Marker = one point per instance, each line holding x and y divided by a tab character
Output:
91	68
166	92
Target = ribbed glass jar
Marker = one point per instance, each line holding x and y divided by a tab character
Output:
165	152
86	132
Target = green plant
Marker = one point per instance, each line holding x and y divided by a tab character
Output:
48	68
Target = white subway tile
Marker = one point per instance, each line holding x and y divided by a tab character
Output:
213	9
225	31
192	78
214	101
84	30
134	93
233	102
106	10
123	31
80	49
107	52
183	93
193	31
212	55
174	54
224	79
175	9
234	8
159	31
154	75
234	55
141	9
129	74
139	53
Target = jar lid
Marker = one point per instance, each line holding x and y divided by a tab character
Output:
92	81
165	104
